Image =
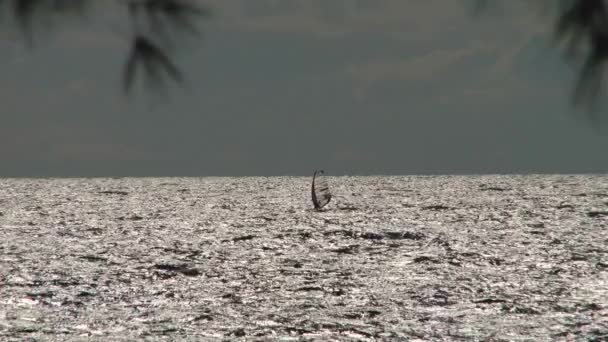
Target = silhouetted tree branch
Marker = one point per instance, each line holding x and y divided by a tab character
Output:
583	25
154	25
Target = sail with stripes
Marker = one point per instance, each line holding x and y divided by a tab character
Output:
320	190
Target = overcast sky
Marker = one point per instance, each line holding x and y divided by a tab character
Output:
283	87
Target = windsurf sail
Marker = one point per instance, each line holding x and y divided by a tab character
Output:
320	190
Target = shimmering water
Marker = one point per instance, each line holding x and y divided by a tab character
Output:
431	258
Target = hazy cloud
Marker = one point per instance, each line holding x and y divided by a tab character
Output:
430	67
336	17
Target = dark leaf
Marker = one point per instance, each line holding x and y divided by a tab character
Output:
23	12
584	23
163	16
154	61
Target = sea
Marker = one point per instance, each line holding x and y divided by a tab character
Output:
401	258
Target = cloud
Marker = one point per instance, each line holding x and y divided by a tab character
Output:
67	141
419	68
407	20
336	17
434	41
99	151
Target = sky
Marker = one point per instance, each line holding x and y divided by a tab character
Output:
284	87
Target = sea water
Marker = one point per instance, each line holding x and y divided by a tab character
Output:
411	257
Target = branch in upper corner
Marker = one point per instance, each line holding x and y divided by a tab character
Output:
583	26
27	13
166	16
156	26
145	55
156	23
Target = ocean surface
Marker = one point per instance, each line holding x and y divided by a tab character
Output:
427	258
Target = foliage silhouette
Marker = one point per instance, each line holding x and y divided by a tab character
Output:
581	25
154	27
